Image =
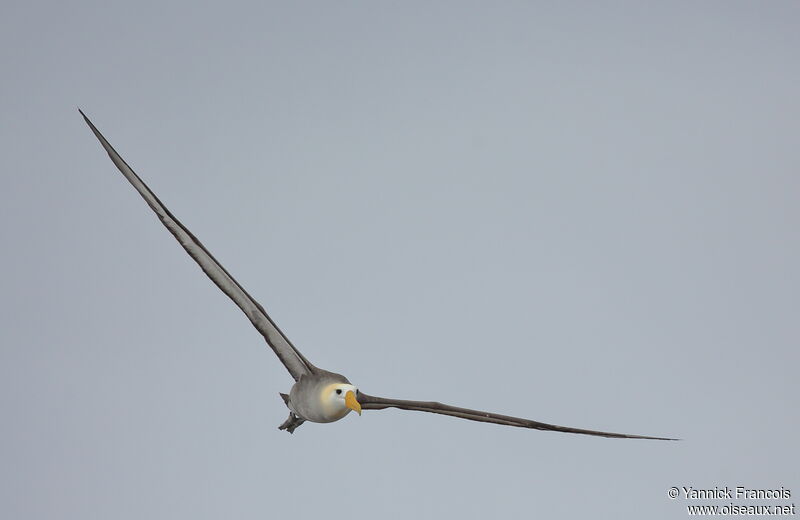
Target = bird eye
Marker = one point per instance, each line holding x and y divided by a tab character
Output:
338	391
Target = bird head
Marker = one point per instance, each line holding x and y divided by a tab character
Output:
343	397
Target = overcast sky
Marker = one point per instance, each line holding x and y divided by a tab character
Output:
582	213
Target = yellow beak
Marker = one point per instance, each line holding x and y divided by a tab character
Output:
351	402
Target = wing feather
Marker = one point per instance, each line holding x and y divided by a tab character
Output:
369	402
295	363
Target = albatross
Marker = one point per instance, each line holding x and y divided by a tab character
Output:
317	395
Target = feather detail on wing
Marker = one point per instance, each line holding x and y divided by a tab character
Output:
295	363
369	402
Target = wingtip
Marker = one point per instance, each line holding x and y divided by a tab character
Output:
91	125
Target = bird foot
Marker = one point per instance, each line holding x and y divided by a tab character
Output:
291	424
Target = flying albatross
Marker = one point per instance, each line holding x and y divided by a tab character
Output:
317	395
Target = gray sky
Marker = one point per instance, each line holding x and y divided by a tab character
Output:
584	214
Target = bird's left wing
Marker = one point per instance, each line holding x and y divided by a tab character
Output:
369	402
295	362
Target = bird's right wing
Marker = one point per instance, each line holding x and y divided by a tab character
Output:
369	402
295	363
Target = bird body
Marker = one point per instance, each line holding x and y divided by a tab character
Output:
317	395
321	397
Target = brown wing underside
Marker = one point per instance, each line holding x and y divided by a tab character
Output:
295	363
369	402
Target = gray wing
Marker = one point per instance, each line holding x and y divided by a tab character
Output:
369	402
287	353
